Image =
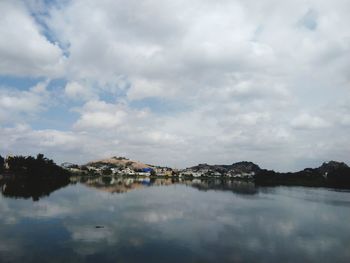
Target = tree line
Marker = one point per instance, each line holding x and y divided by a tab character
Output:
32	167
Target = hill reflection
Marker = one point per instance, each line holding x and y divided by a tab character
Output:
36	189
123	185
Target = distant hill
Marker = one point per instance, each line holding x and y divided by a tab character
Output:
119	162
237	168
330	174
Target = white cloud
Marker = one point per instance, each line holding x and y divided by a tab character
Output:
306	121
24	51
77	91
102	115
141	89
17	104
230	80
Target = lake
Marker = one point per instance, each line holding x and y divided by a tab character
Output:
129	220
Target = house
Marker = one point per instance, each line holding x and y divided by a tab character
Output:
128	171
197	174
146	170
144	173
217	174
115	170
186	173
67	165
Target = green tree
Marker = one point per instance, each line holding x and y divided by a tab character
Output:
107	171
40	157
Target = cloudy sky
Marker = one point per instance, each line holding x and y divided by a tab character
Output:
176	82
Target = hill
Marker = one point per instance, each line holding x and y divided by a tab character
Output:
119	162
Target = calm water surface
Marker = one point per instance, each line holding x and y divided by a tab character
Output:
106	220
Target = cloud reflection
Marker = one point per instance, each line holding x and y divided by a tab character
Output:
178	223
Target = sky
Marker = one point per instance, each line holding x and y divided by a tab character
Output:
176	83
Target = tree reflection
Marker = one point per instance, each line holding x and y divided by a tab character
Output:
27	188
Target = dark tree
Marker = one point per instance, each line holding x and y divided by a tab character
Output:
39	167
2	163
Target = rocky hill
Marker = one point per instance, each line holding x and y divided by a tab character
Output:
120	162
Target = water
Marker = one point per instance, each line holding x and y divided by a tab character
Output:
111	220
